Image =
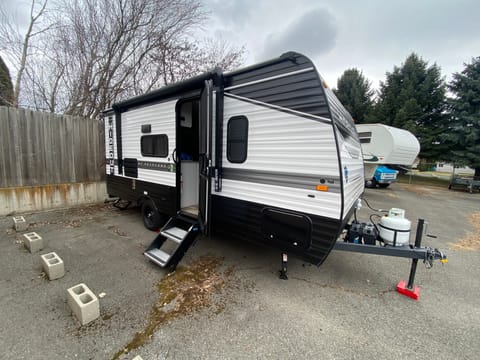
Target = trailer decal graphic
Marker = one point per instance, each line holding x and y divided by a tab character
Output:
111	160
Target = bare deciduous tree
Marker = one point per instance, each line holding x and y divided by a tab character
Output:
97	52
186	59
18	46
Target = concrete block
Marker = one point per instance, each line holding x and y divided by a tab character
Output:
20	223
53	266
84	303
33	242
138	357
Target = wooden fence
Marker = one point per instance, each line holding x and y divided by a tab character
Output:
38	148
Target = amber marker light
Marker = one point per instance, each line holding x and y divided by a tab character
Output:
322	188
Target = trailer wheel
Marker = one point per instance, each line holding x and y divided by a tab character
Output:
152	219
372	183
383	185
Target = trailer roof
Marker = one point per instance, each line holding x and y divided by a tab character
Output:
191	84
315	98
168	90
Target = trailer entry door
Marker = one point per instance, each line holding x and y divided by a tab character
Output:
204	151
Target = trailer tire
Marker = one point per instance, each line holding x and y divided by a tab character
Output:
152	219
372	183
383	185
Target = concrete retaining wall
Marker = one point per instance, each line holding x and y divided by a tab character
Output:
33	198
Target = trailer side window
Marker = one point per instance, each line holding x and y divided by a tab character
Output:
154	145
365	137
237	139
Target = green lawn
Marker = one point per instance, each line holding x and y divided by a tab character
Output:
424	180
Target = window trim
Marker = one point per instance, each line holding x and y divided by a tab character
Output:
244	141
162	155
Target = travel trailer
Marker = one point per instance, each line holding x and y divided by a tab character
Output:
385	145
265	154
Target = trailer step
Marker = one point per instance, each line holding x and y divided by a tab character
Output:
158	256
175	233
173	241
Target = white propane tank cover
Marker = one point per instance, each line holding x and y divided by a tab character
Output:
394	228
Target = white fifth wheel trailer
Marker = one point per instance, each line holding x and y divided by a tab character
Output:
382	145
266	154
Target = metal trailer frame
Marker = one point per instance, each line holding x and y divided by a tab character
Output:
415	252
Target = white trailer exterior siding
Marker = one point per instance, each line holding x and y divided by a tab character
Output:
161	117
284	146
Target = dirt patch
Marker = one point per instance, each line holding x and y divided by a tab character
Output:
188	289
116	230
74	217
471	241
419	189
89	210
392	195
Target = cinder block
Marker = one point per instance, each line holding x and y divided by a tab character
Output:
53	266
33	242
20	223
84	303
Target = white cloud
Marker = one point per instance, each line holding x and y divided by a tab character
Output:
370	35
313	33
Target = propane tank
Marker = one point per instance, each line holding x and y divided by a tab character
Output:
395	228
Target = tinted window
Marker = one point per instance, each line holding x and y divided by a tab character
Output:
237	139
154	145
365	137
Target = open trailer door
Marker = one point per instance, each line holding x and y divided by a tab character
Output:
204	155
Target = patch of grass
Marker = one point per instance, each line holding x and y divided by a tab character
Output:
188	289
471	241
423	180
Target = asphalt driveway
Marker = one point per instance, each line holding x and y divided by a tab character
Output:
226	300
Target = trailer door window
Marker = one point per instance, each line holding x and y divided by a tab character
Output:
154	145
237	139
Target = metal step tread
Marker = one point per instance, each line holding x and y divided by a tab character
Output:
175	234
157	254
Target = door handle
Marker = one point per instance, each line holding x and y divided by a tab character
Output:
174	156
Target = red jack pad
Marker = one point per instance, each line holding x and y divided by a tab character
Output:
402	289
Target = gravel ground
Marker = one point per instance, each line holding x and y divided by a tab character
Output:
226	300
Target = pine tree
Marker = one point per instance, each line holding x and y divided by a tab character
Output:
463	135
413	98
6	86
355	93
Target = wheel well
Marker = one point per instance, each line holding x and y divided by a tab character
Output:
145	198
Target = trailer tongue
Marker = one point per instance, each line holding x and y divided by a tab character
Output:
415	252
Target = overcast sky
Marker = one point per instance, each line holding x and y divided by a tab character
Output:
371	35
